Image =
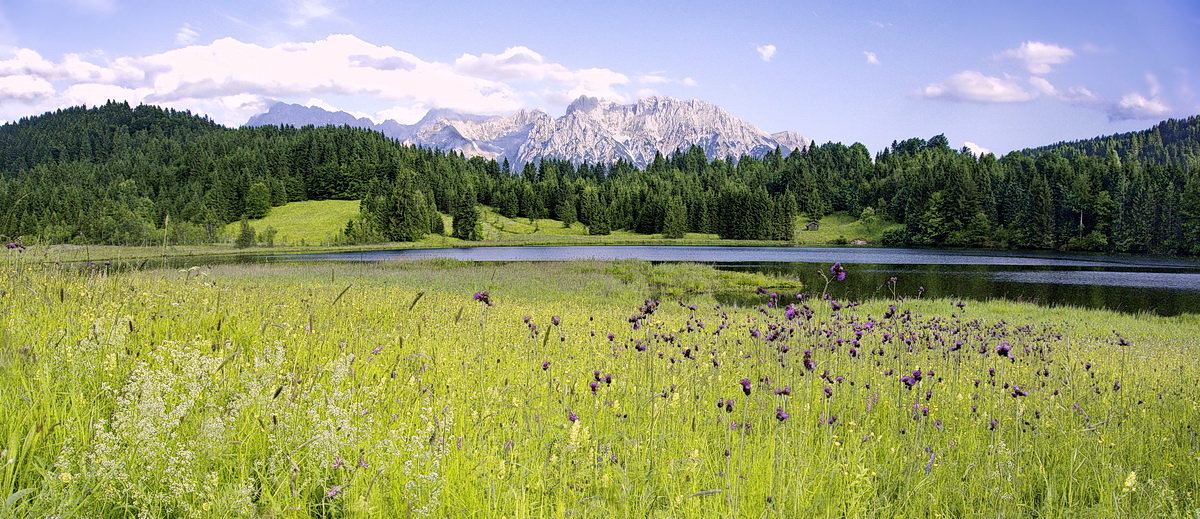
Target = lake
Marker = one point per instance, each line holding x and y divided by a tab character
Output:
1165	286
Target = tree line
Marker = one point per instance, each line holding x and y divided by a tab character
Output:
145	175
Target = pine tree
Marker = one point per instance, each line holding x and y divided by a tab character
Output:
245	236
675	219
258	201
467	225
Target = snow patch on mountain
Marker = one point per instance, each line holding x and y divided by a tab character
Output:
592	130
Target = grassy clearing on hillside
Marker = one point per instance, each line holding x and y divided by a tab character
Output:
319	222
439	388
307	227
315	222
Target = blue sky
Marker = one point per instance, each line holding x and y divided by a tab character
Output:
989	75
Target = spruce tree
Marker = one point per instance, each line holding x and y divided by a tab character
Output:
675	219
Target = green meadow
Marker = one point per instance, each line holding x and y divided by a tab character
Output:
580	389
314	222
321	224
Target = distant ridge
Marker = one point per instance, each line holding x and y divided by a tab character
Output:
592	130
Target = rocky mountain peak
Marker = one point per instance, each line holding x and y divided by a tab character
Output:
592	130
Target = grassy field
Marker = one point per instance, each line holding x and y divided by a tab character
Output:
318	223
308	227
447	389
298	223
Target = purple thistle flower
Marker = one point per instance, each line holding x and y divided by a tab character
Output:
554	320
545	365
780	414
837	271
484	297
1003	349
729	406
611	336
745	382
594	386
1117	385
828	392
572	416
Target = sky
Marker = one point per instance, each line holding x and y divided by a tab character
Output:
991	76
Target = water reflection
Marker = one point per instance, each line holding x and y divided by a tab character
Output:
1166	286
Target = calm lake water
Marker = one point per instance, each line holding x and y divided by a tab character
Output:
1165	286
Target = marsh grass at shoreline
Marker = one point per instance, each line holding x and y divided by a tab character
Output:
438	388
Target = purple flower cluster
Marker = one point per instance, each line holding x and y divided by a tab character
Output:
484	297
837	271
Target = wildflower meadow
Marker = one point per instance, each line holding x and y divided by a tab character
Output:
580	389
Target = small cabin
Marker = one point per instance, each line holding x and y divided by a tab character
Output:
812	226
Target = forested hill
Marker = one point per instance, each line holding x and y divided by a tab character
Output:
122	175
1174	141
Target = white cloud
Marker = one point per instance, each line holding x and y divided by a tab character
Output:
1136	106
230	80
978	150
25	88
523	65
322	104
1037	57
975	87
401	114
871	57
1042	86
659	79
186	35
766	52
300	12
1155	86
93	94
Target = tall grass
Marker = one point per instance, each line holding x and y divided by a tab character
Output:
389	390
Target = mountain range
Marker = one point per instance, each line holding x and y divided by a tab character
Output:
592	130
